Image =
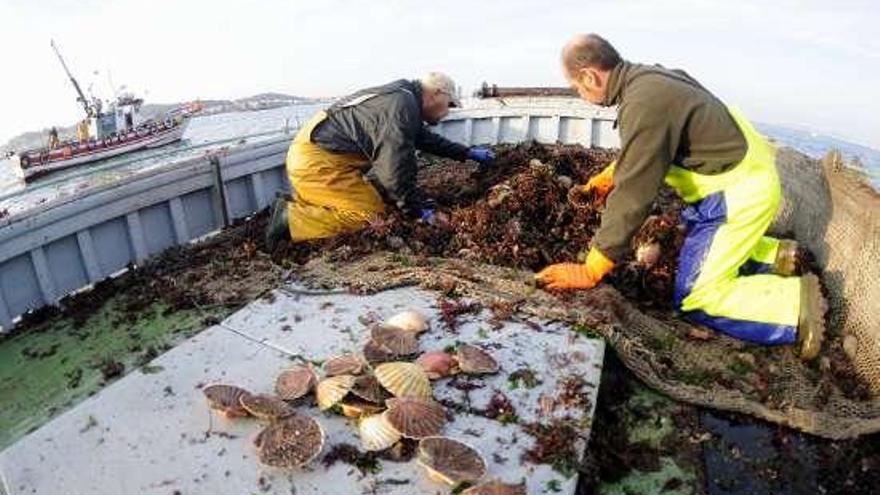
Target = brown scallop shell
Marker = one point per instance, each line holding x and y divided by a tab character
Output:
344	364
377	353
290	442
475	361
415	417
451	461
396	340
266	407
353	408
368	388
226	399
411	321
296	382
438	364
496	487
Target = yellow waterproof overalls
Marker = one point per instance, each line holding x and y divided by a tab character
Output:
727	216
331	195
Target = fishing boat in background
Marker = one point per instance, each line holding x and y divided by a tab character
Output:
103	133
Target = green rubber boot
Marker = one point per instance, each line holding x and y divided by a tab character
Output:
811	323
277	230
788	258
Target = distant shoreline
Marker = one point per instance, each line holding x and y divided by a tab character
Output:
255	103
810	143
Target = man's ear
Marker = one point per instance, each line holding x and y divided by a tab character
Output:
583	78
591	78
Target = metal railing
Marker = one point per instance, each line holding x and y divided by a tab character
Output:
72	242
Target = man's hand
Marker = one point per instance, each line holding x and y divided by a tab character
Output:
482	155
601	183
427	215
563	276
434	217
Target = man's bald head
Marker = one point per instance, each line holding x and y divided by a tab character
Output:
587	61
589	51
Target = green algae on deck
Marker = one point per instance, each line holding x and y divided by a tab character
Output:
53	366
670	479
649	421
642	442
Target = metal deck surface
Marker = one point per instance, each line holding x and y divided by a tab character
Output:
154	434
76	230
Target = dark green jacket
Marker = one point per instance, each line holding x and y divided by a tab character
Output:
385	124
665	117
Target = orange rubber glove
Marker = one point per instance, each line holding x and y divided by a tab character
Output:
576	275
602	182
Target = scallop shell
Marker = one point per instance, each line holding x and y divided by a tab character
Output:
475	361
344	364
290	442
648	254
438	364
398	341
404	379
496	487
376	353
414	417
411	321
367	387
226	399
331	390
266	407
359	408
377	433
451	461
295	382
258	441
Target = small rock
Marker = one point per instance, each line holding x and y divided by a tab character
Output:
697	333
746	358
565	181
395	242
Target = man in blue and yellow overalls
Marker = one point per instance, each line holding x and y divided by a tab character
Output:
731	276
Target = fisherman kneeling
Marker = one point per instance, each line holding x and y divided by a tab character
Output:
376	131
731	276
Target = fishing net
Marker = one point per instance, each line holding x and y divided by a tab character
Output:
826	207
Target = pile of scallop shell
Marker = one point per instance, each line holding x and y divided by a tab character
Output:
389	397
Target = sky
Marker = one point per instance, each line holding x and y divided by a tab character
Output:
813	65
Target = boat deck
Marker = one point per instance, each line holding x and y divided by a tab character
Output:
152	432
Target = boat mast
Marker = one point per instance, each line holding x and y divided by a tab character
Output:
90	111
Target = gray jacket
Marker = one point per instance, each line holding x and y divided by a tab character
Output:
385	124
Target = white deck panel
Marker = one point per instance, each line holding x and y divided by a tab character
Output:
153	433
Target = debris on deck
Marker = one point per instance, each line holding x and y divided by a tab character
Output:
155	433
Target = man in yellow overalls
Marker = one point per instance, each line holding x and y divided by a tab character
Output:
731	276
375	131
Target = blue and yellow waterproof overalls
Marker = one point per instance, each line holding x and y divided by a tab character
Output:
719	281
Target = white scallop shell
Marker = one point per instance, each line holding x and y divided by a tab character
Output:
411	321
376	433
331	390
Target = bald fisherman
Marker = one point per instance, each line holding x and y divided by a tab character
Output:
731	276
348	163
